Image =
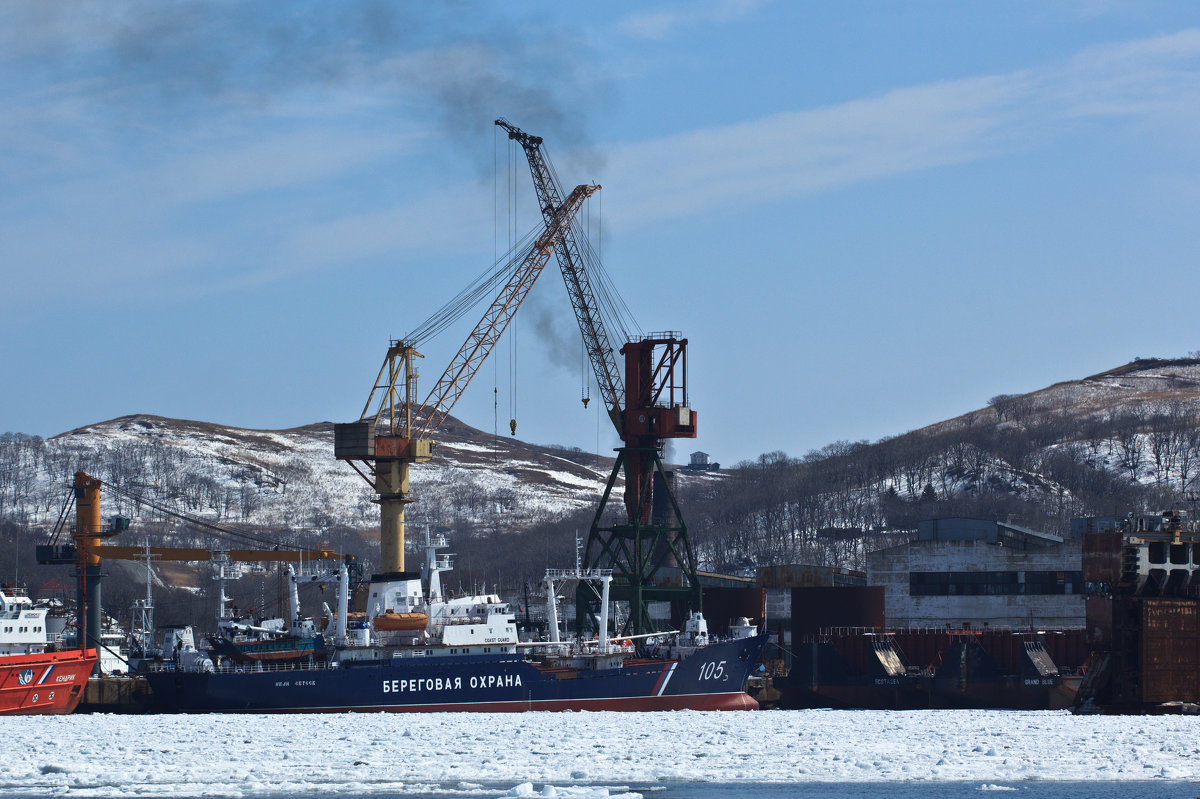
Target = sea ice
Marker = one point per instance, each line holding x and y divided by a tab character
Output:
577	754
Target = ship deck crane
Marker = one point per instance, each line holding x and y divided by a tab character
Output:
649	550
383	443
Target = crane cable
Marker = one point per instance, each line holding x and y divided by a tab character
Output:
610	305
512	333
496	259
217	530
484	286
62	517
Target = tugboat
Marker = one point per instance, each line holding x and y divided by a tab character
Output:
466	656
36	677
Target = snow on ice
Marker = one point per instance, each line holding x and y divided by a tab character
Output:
579	754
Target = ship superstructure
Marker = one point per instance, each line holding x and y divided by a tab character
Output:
36	677
418	649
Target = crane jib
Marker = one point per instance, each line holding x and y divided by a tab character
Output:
583	298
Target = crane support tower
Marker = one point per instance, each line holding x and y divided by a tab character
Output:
647	546
382	454
648	549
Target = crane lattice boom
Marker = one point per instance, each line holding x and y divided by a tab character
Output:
579	288
483	338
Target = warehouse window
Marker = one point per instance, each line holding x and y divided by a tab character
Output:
997	583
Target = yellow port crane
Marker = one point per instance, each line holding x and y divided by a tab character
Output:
394	429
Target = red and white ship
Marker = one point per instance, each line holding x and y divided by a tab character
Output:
35	678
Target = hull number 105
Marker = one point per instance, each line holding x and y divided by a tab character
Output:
714	671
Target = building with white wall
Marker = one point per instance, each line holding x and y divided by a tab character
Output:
978	573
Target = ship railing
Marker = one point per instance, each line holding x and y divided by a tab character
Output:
247	668
983	628
577	574
825	634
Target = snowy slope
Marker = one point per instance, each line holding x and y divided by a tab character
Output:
290	477
1151	384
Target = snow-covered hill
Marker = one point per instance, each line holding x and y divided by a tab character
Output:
289	478
1125	440
1145	386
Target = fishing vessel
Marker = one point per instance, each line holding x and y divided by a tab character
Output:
467	656
35	678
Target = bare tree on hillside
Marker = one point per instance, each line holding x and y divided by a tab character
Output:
1164	451
1002	404
1127	428
1187	450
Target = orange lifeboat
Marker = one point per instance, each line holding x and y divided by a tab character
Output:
397	622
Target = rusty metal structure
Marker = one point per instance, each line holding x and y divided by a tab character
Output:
1143	616
647	546
382	444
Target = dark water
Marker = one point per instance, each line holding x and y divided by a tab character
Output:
1157	789
939	790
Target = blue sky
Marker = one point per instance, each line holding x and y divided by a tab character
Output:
865	216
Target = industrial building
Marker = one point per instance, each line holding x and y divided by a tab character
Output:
973	573
789	604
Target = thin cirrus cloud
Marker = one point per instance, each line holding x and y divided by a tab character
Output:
806	152
662	23
1152	81
277	162
434	223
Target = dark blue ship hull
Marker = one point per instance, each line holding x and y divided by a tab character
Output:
714	678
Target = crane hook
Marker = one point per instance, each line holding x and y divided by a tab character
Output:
512	425
585	401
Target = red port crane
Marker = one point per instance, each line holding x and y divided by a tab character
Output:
649	550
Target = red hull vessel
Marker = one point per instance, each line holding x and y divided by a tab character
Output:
44	683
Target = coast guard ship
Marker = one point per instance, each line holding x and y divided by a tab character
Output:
417	650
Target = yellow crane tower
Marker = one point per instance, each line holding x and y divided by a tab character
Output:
382	444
